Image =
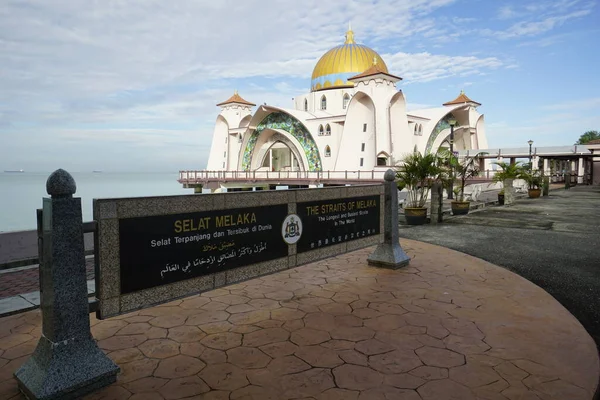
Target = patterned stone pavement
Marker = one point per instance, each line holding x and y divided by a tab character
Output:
26	280
449	326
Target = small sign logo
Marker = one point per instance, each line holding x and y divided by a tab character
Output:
291	229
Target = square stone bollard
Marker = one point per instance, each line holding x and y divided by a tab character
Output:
389	254
509	192
67	363
436	203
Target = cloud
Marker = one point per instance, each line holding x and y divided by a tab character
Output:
138	73
525	28
507	12
576	105
426	67
538	18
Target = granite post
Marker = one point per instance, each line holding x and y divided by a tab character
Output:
389	254
509	192
67	363
436	203
546	186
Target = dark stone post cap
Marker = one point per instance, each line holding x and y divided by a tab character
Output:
61	184
389	175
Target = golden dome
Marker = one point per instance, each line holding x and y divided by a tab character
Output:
342	62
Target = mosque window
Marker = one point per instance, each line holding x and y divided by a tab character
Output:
240	138
327	151
346	100
305	105
381	161
416	129
320	130
362	147
323	103
328	130
361	162
420	130
364	127
224	154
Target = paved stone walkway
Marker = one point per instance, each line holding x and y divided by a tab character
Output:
449	326
26	280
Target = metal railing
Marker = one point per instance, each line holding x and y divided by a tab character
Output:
191	177
203	176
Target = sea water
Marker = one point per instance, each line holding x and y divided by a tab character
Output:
21	193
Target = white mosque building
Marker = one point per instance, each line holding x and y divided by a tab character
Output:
353	121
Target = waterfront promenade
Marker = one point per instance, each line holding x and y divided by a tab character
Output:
449	326
552	241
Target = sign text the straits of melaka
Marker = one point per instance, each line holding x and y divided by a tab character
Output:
164	249
335	221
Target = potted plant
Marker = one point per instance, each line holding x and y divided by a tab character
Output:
501	197
464	169
417	173
534	182
508	172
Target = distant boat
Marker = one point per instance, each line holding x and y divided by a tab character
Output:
16	171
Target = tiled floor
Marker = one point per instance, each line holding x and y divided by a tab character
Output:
449	326
27	280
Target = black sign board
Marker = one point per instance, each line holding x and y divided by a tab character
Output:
169	248
330	222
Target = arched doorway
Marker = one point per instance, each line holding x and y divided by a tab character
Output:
279	153
282	127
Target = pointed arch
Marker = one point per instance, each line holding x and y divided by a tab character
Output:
328	130
382	159
358	132
288	125
320	130
323	102
245	121
327	151
441	126
345	101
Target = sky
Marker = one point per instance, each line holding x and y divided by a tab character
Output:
133	85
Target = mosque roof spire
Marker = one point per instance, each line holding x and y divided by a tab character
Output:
349	35
236	98
462	99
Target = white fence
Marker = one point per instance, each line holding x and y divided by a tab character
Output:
203	176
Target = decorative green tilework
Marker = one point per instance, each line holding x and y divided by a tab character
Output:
284	122
443	124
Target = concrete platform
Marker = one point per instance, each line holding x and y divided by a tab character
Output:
449	326
552	241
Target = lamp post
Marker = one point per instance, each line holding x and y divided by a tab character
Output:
530	142
451	122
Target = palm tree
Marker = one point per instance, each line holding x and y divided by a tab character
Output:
417	173
464	169
509	171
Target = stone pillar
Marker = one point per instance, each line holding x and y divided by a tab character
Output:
580	170
546	185
509	192
389	254
535	163
436	203
546	167
67	363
